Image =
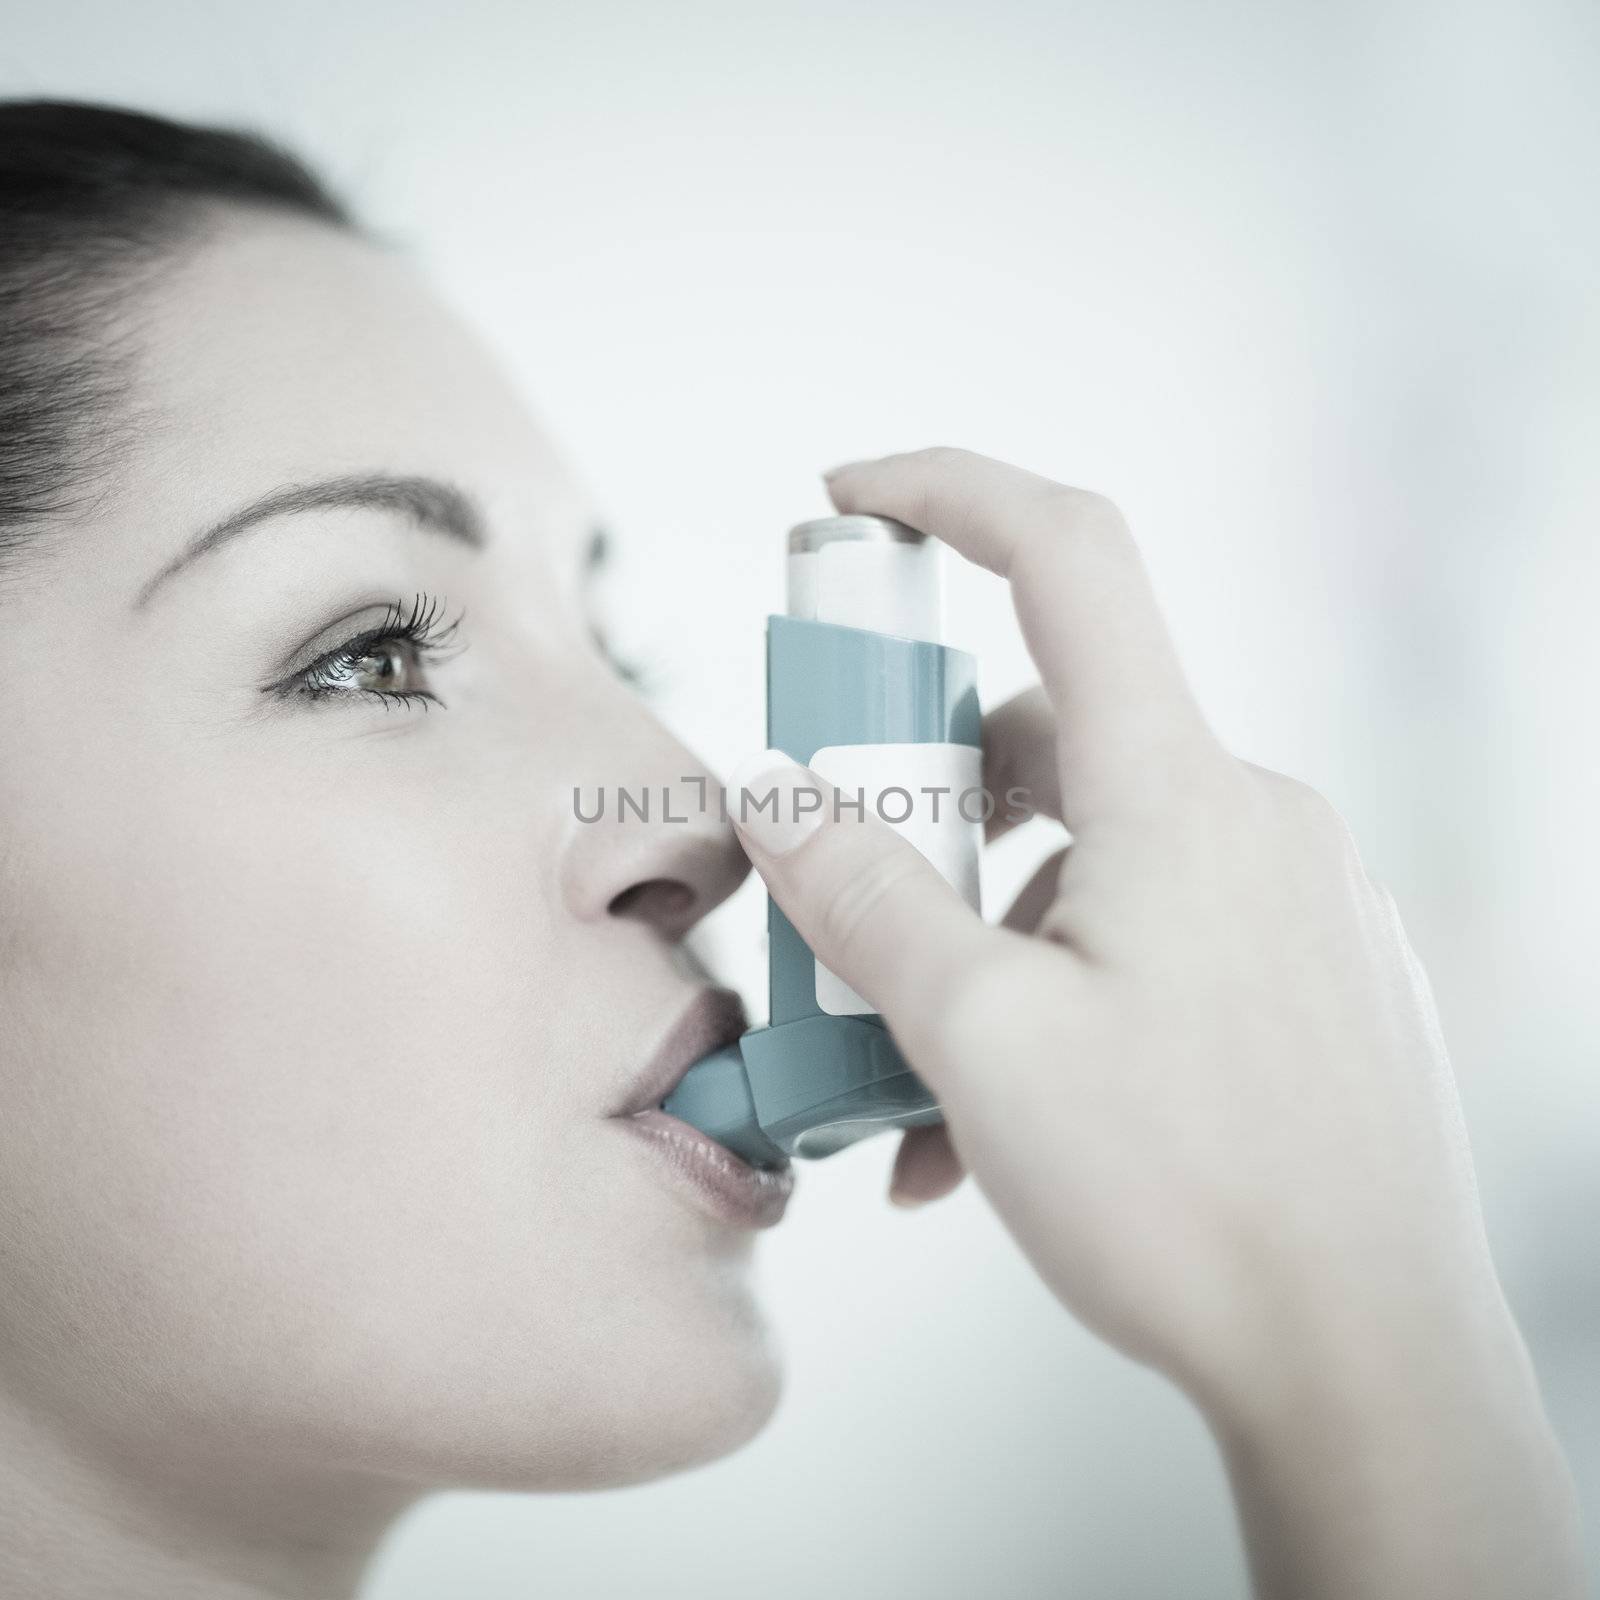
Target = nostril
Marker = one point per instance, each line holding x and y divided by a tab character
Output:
656	900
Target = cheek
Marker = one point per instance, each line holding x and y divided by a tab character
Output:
305	1139
282	1003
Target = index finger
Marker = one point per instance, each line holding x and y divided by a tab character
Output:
1084	601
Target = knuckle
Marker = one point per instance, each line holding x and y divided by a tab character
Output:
1316	812
1383	901
1091	521
1309	813
1099	513
1086	506
850	915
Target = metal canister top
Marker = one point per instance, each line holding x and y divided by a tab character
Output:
866	572
856	527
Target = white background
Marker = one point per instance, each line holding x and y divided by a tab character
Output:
1310	289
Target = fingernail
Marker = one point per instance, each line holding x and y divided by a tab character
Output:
774	801
844	466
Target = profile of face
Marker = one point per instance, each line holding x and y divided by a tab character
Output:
322	1009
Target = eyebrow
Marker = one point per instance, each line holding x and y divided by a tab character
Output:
430	503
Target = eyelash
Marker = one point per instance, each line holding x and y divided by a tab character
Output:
419	629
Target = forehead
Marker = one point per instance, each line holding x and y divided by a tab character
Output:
276	350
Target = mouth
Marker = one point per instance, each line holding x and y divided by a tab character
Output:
708	1173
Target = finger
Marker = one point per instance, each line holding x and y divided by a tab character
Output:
872	908
1089	617
1019	762
926	1167
1037	896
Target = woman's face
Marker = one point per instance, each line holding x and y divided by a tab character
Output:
317	1003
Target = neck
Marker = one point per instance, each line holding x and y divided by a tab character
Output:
81	1521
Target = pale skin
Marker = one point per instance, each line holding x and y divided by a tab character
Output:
316	1013
1199	1074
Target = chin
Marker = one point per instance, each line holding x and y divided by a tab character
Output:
654	1366
674	1432
645	1423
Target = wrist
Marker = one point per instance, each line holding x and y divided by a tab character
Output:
1406	1451
1350	1354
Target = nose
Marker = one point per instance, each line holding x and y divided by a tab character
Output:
647	838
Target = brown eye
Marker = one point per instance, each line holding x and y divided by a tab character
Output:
387	668
384	663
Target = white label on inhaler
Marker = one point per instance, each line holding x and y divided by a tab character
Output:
930	786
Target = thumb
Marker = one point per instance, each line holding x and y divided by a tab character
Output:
873	908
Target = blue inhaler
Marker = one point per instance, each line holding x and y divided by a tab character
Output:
861	690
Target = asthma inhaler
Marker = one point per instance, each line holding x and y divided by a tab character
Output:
861	690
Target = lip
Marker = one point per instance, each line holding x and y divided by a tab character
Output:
714	1017
710	1174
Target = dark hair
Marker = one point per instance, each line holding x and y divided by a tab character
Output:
90	197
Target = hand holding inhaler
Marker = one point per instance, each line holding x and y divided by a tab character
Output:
1198	1073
